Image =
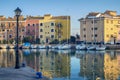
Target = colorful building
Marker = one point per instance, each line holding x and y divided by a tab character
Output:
43	29
32	28
100	27
54	27
8	29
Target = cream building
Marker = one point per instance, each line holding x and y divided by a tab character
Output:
100	27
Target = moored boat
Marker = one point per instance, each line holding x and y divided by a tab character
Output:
81	47
91	47
101	47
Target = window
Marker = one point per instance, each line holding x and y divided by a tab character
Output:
84	29
84	35
95	21
41	30
52	36
33	24
10	36
111	35
91	28
3	30
28	24
107	35
52	24
107	21
95	28
95	35
52	30
12	24
22	30
41	36
41	24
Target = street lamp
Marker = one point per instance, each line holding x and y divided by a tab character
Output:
17	14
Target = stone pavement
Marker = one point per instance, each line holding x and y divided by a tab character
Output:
24	73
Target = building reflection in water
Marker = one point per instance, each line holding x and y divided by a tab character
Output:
112	65
57	63
50	63
91	65
7	58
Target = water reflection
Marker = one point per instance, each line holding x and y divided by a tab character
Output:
67	64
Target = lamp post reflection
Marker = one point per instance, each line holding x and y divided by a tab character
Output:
17	14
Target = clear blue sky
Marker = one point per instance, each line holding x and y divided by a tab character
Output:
75	8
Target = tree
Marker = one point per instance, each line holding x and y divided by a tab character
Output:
54	41
72	39
37	40
77	36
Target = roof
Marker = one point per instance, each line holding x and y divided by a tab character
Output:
93	14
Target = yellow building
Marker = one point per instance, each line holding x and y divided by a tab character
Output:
54	27
100	27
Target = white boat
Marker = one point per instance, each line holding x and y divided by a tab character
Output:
63	47
66	46
33	46
81	47
54	46
100	47
91	47
41	47
59	46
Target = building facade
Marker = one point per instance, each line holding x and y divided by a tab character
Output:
54	27
44	29
32	28
8	29
100	27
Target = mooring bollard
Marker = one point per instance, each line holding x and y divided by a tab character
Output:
39	75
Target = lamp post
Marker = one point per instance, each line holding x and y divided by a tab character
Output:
17	14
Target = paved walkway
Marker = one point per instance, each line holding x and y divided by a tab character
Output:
25	73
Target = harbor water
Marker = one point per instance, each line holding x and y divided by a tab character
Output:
67	64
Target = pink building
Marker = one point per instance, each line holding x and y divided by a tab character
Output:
32	28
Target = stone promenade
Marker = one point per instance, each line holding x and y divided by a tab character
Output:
24	73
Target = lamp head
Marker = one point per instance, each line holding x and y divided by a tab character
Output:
17	11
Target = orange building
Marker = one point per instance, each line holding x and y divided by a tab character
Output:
8	29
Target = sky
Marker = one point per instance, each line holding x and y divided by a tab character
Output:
74	8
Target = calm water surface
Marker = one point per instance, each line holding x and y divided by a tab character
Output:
67	64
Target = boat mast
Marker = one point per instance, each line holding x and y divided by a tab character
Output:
67	29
